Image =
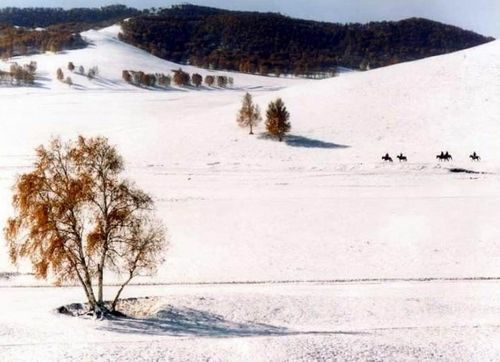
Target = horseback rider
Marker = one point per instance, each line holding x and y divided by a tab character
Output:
475	157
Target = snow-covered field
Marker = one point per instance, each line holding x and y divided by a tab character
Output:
357	259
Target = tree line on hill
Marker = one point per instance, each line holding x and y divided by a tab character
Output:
180	78
21	41
269	43
34	17
58	28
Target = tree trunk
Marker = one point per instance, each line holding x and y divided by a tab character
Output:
100	279
90	295
87	281
251	129
88	292
117	297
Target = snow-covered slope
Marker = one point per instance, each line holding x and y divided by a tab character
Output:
310	192
419	108
320	207
447	102
112	56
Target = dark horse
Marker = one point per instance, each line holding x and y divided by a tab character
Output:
475	157
402	158
444	156
387	158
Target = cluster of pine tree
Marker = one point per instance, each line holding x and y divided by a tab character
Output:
19	75
277	117
20	41
267	43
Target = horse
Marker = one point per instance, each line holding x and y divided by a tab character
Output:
475	157
444	156
402	158
387	158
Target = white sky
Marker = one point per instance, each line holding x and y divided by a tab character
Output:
482	16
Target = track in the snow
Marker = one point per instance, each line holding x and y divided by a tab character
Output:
276	282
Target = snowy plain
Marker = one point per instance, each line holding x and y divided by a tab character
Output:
310	249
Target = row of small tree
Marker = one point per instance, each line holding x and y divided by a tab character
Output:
92	73
19	75
277	117
180	78
139	78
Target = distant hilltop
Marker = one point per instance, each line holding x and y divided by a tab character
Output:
264	43
248	42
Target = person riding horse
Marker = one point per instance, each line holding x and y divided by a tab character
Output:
444	156
475	157
387	158
402	158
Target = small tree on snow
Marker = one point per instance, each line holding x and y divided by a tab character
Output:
71	66
60	74
196	79
277	119
93	72
249	114
209	80
77	217
181	78
127	77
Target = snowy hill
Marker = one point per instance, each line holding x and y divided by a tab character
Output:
325	250
184	146
419	108
112	56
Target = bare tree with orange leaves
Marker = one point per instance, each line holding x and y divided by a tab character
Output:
77	217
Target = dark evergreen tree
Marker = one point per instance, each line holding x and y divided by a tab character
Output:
278	119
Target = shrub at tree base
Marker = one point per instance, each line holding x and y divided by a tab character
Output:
76	217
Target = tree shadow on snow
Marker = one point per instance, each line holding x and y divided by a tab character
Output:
182	322
305	142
